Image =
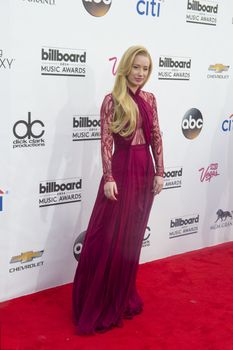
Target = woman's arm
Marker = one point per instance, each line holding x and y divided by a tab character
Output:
156	141
106	113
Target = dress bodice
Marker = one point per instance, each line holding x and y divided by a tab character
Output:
138	137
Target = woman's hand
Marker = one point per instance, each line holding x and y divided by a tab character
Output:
158	184
110	190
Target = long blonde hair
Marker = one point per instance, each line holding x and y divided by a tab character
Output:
125	109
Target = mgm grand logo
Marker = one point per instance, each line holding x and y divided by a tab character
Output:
224	219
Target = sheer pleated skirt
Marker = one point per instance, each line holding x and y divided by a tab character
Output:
104	289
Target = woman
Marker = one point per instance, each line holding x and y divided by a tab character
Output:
104	290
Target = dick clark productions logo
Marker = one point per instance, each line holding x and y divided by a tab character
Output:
97	8
28	133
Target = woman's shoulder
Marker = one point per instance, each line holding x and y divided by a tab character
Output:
108	102
148	96
108	99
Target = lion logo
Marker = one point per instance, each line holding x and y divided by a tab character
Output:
223	215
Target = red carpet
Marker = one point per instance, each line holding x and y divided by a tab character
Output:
188	305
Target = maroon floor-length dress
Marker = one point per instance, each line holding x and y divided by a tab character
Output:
104	290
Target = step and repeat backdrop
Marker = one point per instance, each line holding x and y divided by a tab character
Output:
58	59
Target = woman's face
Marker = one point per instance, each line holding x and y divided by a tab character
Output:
139	72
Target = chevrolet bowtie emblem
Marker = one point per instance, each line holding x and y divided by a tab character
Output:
27	256
219	68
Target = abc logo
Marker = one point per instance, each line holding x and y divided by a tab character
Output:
192	123
97	8
78	244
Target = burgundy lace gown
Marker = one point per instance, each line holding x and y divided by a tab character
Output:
104	289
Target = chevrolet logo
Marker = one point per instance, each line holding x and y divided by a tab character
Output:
27	256
219	68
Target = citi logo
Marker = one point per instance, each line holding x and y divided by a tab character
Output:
178	222
85	122
227	124
219	68
173	173
200	7
53	186
169	62
58	56
148	8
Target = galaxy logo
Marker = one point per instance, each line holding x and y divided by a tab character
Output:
5	62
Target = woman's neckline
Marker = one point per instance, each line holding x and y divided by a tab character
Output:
131	92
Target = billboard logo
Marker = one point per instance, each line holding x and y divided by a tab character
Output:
173	178
174	68
63	62
86	128
185	225
62	191
202	12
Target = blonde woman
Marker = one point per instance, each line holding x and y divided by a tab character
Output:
104	289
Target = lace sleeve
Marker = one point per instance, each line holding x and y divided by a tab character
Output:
106	113
156	141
